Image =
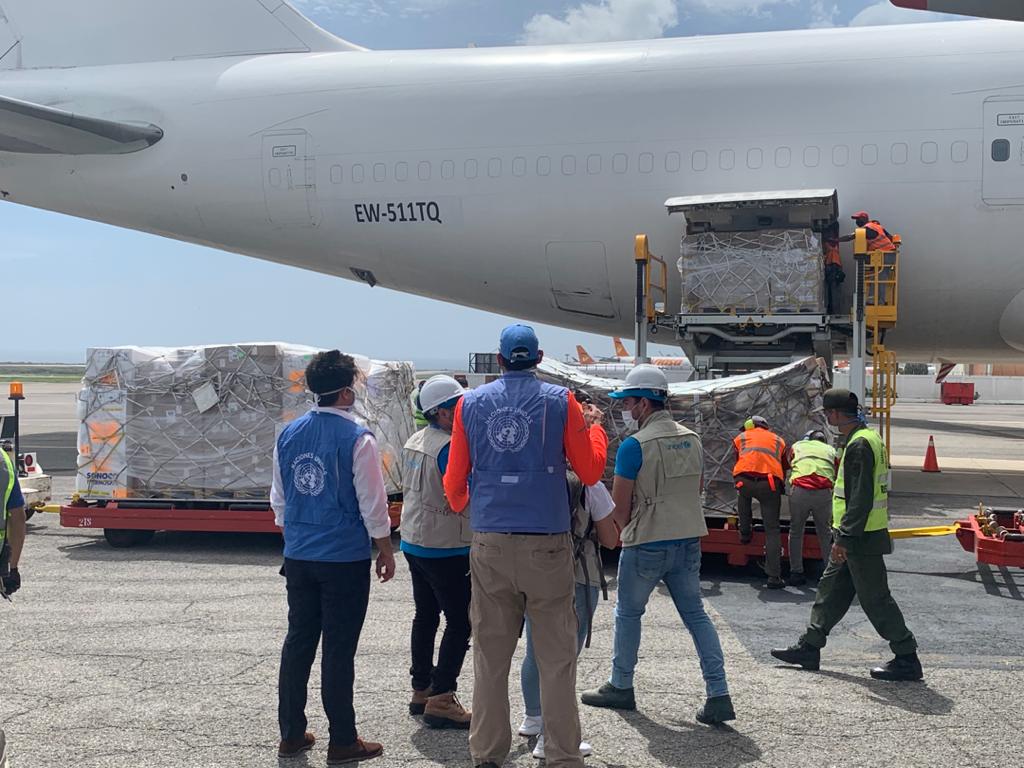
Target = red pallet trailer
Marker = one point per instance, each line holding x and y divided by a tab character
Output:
129	522
994	536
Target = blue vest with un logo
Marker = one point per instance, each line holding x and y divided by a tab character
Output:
515	428
321	513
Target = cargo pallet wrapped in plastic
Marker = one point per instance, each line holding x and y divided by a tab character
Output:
788	397
200	423
769	271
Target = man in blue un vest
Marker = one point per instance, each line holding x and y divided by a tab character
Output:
515	436
329	498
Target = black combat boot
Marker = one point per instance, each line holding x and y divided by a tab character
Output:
904	666
807	656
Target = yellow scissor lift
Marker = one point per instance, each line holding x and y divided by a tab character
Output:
879	301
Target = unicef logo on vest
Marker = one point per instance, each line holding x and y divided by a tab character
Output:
308	474
508	430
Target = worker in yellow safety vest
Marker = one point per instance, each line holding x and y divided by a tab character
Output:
812	476
860	530
12	526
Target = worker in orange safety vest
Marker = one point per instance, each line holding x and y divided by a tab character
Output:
834	274
761	465
878	236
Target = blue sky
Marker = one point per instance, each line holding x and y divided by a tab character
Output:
70	284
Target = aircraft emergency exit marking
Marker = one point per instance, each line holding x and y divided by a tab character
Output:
377	213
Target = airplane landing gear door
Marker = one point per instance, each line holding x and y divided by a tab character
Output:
1003	152
579	278
289	179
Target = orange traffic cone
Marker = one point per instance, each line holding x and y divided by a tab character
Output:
931	463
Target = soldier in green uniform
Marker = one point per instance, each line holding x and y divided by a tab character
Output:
860	531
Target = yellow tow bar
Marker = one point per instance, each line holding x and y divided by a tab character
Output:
910	533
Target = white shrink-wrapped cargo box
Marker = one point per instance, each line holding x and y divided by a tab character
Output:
788	397
201	422
770	271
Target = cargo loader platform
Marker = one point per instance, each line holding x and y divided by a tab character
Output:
753	280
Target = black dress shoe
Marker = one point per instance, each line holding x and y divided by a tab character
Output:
902	667
796	579
807	656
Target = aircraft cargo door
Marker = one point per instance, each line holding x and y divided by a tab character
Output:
289	179
579	278
1003	152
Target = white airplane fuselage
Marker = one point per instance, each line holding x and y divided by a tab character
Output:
514	179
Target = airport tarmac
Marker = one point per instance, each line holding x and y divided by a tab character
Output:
166	655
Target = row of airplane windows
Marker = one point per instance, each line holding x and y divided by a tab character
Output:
700	160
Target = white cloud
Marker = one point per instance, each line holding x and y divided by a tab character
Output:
886	13
732	7
373	8
603	21
823	14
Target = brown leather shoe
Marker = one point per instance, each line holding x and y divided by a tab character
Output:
353	753
446	711
296	747
418	701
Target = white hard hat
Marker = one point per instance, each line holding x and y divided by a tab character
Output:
645	380
439	390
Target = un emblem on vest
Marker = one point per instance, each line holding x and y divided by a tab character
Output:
308	475
508	430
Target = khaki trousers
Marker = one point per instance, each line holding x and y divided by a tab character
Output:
514	576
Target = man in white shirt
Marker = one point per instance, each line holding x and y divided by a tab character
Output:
329	498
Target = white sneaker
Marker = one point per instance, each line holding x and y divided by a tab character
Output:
532	725
538	751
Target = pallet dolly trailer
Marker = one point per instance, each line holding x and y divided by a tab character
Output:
132	522
994	535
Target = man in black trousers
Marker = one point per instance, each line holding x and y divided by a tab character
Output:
329	498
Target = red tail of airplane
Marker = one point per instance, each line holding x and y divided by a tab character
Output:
620	348
583	357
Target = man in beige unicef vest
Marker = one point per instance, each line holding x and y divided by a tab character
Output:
436	542
656	492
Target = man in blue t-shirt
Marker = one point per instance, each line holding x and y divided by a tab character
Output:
656	491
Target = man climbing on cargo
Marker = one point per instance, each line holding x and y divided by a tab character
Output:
329	498
759	471
856	568
435	542
834	274
812	475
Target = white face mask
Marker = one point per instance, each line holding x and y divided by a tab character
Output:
628	421
316	398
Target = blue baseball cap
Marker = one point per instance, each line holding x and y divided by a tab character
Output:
518	343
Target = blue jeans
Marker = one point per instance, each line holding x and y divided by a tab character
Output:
676	563
529	675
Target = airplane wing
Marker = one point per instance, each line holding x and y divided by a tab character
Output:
34	129
37	34
1011	10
